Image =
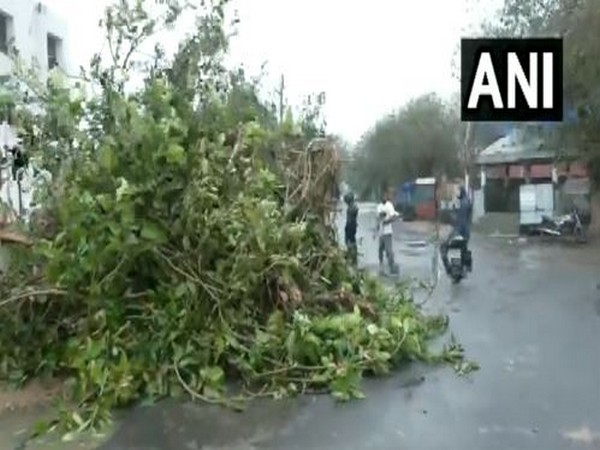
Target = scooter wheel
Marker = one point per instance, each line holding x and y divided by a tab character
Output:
456	280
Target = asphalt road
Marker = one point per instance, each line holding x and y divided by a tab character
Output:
529	314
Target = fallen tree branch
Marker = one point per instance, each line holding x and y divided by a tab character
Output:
14	237
29	294
192	393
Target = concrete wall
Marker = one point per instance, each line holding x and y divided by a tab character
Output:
478	204
29	23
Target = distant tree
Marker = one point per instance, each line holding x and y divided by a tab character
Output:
422	139
312	120
572	19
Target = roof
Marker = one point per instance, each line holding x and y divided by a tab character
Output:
515	147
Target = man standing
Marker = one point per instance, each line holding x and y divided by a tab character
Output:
350	228
386	215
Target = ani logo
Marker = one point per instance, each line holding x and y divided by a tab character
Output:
513	80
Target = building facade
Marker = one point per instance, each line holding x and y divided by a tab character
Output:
38	35
521	177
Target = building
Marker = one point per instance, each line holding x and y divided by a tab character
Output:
38	37
36	33
521	179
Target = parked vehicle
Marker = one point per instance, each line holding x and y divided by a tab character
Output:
459	258
416	199
567	225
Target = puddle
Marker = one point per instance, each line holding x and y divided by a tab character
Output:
497	429
416	244
531	258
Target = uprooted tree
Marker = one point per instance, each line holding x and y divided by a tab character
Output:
185	240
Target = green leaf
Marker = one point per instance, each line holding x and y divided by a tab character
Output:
107	157
213	375
372	329
211	393
153	232
69	437
175	154
358	394
41	427
77	419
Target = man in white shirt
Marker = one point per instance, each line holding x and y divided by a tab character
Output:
386	215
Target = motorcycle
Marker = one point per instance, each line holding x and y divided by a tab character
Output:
565	225
459	258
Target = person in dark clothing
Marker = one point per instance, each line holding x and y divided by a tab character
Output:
351	227
461	227
463	215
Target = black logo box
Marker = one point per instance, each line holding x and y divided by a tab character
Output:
471	50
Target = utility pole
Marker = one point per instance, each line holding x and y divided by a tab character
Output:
280	93
467	154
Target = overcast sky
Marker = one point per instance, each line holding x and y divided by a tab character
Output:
369	57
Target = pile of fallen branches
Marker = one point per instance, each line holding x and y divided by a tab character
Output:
176	271
313	175
175	267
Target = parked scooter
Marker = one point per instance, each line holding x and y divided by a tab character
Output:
458	258
565	225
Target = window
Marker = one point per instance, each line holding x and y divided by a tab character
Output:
54	45
5	32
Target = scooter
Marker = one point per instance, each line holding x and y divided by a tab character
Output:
565	225
459	258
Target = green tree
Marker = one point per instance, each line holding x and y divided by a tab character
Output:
572	19
420	140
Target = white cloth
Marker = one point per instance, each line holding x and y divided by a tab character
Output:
388	209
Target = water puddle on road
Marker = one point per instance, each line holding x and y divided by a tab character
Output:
530	258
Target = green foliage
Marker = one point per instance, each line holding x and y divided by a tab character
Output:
173	267
420	140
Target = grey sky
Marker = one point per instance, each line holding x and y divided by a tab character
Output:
369	57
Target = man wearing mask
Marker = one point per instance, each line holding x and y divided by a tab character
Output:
386	215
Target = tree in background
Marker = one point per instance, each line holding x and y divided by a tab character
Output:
573	20
420	140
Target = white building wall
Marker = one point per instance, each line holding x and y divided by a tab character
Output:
29	24
478	204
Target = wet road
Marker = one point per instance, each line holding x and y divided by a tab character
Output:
529	314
